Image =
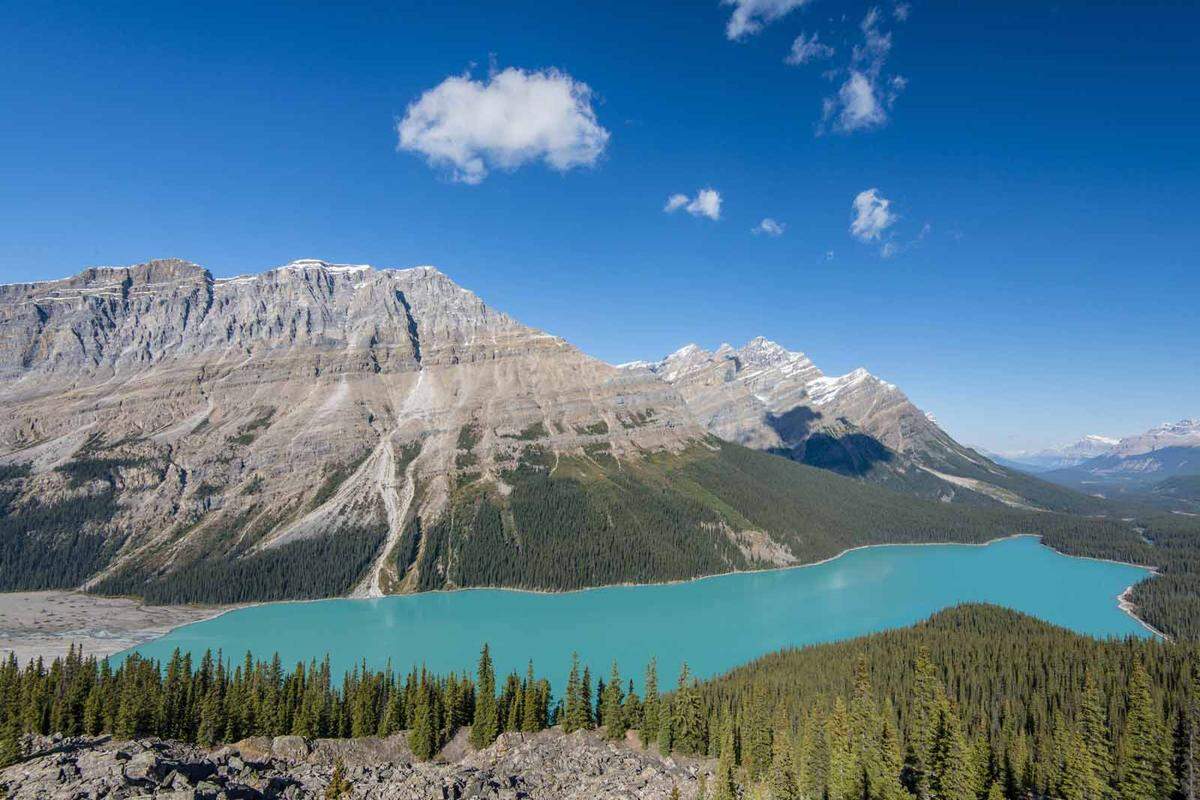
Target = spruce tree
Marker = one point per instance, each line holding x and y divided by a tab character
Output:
1094	733
1144	774
614	716
422	738
575	713
782	780
757	734
531	716
585	699
486	725
648	731
724	783
11	742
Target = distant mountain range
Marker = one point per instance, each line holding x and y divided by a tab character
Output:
1137	463
322	429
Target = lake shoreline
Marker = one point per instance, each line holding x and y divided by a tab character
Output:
32	641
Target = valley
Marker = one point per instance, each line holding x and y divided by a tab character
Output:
322	430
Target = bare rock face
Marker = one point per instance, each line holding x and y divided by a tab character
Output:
767	397
542	766
157	419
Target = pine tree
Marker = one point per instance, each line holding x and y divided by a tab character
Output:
614	716
757	745
486	725
576	714
12	748
532	718
782	780
995	792
724	784
585	699
951	762
665	734
842	777
1094	733
1187	732
422	738
1144	774
648	731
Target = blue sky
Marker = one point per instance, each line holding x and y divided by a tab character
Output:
1039	164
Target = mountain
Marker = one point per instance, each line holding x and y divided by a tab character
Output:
322	429
1138	462
1090	446
770	398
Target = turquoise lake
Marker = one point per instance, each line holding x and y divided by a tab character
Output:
712	623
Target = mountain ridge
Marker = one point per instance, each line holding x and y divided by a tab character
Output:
325	429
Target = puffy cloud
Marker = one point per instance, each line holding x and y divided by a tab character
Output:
866	95
706	203
514	118
769	227
751	16
872	216
806	49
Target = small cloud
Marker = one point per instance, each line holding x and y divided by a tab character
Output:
806	49
706	203
889	249
769	227
513	118
829	255
872	216
856	105
866	95
675	202
751	16
902	11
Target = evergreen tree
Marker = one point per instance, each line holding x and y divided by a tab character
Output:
532	715
11	743
1144	774
613	702
782	780
665	734
585	699
757	734
951	763
648	732
423	737
576	714
1094	733
842	780
486	725
724	783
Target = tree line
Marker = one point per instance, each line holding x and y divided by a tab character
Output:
975	703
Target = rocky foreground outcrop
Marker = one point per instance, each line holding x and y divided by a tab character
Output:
535	766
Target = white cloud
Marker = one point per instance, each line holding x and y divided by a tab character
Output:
872	216
675	202
769	227
889	249
514	118
866	95
751	16
806	49
902	11
706	203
